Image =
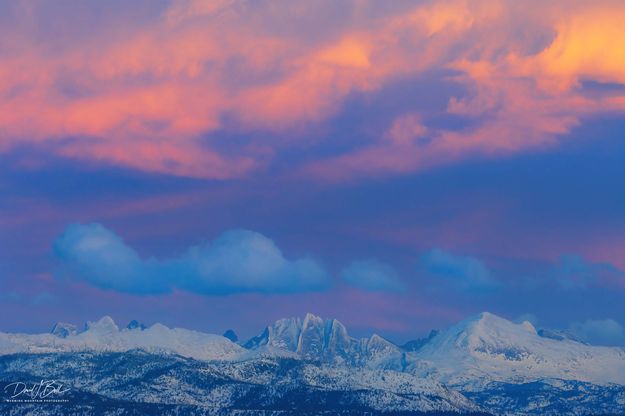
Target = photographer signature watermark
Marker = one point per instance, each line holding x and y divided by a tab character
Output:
45	391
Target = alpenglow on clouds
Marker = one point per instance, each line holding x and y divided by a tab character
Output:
236	261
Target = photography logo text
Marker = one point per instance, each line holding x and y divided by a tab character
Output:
44	391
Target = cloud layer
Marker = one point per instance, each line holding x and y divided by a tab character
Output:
372	275
161	86
237	261
599	331
575	272
463	272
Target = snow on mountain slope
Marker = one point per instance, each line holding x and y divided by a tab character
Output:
265	386
489	348
104	335
316	339
474	352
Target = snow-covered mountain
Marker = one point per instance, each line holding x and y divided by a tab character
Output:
484	348
138	383
488	348
104	335
328	341
311	366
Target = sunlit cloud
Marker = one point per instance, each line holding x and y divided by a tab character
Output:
161	91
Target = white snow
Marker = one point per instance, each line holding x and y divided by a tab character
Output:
489	348
328	341
104	335
470	354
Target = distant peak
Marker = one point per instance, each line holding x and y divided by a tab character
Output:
63	329
159	327
134	324
490	319
489	323
378	339
530	328
488	315
231	335
104	323
312	318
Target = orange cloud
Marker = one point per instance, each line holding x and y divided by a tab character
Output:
152	92
525	92
586	47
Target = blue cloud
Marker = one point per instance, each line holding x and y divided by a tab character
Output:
574	272
599	332
372	275
237	261
465	272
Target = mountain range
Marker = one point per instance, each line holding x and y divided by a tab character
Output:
482	365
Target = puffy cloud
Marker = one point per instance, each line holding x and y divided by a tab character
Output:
575	272
464	272
236	261
372	275
600	332
157	92
405	129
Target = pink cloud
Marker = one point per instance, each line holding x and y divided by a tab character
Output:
146	93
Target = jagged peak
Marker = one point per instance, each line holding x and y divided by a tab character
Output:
334	325
291	325
378	340
64	329
294	320
312	319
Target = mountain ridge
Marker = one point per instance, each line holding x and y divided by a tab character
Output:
484	363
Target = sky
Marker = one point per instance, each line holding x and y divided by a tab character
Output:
396	165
